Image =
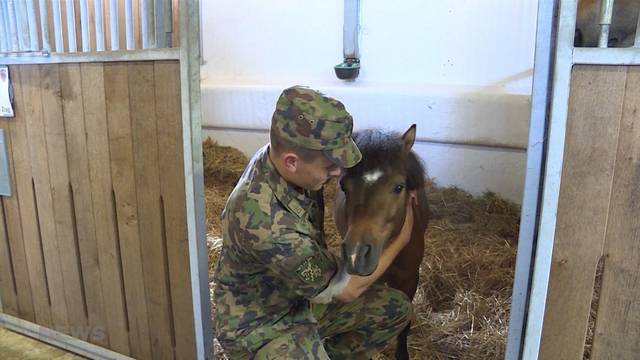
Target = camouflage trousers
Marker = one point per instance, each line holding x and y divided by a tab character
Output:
354	330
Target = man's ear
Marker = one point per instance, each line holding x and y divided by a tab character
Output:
290	161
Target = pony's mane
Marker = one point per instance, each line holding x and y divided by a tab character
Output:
385	147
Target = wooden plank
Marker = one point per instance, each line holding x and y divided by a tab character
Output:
92	25
11	209
38	22
95	116
63	23
61	195
30	77
122	174
175	35
26	200
618	320
72	101
76	9
147	177
122	27
52	33
595	109
106	24
169	116
137	35
8	294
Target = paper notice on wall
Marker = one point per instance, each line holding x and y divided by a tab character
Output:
6	110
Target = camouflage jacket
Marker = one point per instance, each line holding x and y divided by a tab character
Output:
274	258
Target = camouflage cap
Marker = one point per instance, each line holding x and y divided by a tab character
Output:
311	120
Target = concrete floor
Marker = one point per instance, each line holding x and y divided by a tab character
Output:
14	346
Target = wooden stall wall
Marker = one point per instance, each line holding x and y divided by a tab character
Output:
598	219
93	242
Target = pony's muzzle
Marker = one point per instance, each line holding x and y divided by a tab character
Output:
359	258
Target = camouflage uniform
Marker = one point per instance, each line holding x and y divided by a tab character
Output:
275	261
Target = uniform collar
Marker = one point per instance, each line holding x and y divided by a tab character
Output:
294	198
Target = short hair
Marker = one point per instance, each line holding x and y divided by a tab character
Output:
280	145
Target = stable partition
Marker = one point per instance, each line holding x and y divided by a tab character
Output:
94	238
579	268
102	234
597	221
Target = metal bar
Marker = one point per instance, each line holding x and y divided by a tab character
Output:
606	14
22	53
99	24
71	26
59	339
147	24
4	34
422	139
40	57
10	13
151	27
44	25
608	56
350	48
33	25
23	25
636	43
158	25
84	25
194	188
163	23
144	29
128	16
552	176
540	100
114	31
57	26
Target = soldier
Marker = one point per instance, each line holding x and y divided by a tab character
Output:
280	294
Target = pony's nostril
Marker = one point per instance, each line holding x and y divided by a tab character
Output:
345	254
366	251
363	254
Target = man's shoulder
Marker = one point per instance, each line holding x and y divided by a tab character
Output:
261	212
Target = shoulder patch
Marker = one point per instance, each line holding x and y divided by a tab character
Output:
310	270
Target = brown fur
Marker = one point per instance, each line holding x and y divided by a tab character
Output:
376	214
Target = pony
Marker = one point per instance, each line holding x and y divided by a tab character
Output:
370	209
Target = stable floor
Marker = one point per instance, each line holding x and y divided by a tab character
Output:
14	346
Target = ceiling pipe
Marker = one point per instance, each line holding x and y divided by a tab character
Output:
350	66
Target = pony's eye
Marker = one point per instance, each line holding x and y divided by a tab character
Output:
398	188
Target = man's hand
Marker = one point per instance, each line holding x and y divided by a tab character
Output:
404	236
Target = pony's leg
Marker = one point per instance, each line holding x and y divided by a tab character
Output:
401	350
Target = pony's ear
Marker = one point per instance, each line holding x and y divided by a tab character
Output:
409	137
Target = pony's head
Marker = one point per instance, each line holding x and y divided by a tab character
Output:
376	194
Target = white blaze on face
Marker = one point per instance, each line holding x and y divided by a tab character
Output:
372	176
353	259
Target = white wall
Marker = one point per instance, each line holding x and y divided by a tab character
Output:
460	69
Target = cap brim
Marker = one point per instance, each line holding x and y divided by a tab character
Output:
346	156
